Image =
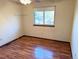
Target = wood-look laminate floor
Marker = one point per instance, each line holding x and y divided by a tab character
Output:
35	48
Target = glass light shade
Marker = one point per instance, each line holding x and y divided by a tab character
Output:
25	2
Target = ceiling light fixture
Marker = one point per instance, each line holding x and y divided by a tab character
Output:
25	2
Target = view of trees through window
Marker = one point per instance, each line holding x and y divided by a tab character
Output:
44	17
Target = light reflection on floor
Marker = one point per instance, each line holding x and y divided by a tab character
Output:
41	53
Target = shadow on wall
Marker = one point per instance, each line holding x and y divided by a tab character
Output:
49	1
54	1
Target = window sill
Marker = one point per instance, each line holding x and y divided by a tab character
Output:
45	25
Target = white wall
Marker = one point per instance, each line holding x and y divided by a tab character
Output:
63	21
10	21
74	42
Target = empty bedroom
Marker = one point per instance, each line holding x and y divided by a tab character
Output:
38	29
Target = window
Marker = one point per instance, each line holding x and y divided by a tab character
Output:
44	16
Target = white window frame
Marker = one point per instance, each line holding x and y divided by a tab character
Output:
44	9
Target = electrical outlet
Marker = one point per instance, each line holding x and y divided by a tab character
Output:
75	54
0	39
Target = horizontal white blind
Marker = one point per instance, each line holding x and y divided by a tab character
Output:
45	8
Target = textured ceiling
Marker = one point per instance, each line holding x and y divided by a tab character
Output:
37	1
